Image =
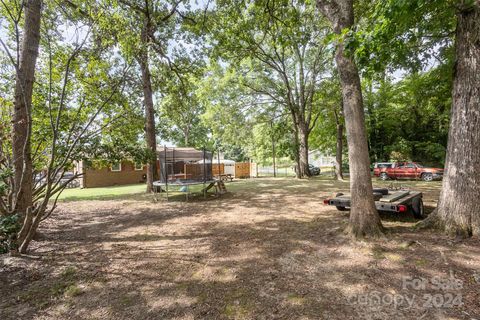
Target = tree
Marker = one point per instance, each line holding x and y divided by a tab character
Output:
22	198
430	29
328	135
241	128
457	211
339	145
421	104
279	50
364	218
142	29
227	115
77	94
181	108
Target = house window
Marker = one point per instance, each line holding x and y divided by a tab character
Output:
116	167
138	166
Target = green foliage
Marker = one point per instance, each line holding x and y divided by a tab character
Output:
273	57
408	120
4	176
181	108
323	135
9	226
226	117
234	153
406	34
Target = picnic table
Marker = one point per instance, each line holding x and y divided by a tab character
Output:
184	185
225	177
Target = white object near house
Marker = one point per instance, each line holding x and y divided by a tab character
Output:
320	159
228	165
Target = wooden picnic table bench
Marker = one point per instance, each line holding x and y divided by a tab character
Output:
225	177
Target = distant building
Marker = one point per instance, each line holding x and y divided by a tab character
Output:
120	173
128	172
320	159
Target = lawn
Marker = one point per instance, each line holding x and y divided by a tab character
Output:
268	249
128	192
76	194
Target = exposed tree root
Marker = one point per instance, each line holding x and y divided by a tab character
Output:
365	231
435	221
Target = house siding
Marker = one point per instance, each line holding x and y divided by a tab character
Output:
319	159
105	177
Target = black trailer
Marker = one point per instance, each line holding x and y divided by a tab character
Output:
386	200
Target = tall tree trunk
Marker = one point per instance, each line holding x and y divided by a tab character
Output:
339	147
273	151
150	134
303	133
364	218
371	135
22	122
297	153
339	153
186	136
457	212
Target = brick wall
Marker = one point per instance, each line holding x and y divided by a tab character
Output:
105	177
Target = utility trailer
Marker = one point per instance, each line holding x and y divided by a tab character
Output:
387	201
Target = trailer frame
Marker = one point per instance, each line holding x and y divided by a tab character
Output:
410	201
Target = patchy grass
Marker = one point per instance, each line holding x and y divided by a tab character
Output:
268	249
73	290
66	282
378	253
296	299
105	193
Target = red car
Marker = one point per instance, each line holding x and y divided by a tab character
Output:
409	170
381	166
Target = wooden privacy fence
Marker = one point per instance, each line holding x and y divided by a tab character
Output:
242	170
218	169
194	171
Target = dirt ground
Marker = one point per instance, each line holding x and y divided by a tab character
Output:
269	249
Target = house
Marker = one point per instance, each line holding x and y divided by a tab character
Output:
320	159
175	162
120	173
128	172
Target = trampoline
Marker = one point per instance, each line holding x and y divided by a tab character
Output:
181	168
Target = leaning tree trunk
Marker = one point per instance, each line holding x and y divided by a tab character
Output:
303	170
364	218
457	212
150	135
22	122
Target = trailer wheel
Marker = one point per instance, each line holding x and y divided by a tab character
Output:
417	208
427	177
383	176
340	208
383	191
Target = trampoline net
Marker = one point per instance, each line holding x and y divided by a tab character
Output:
184	165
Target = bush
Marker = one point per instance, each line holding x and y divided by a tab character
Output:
9	227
